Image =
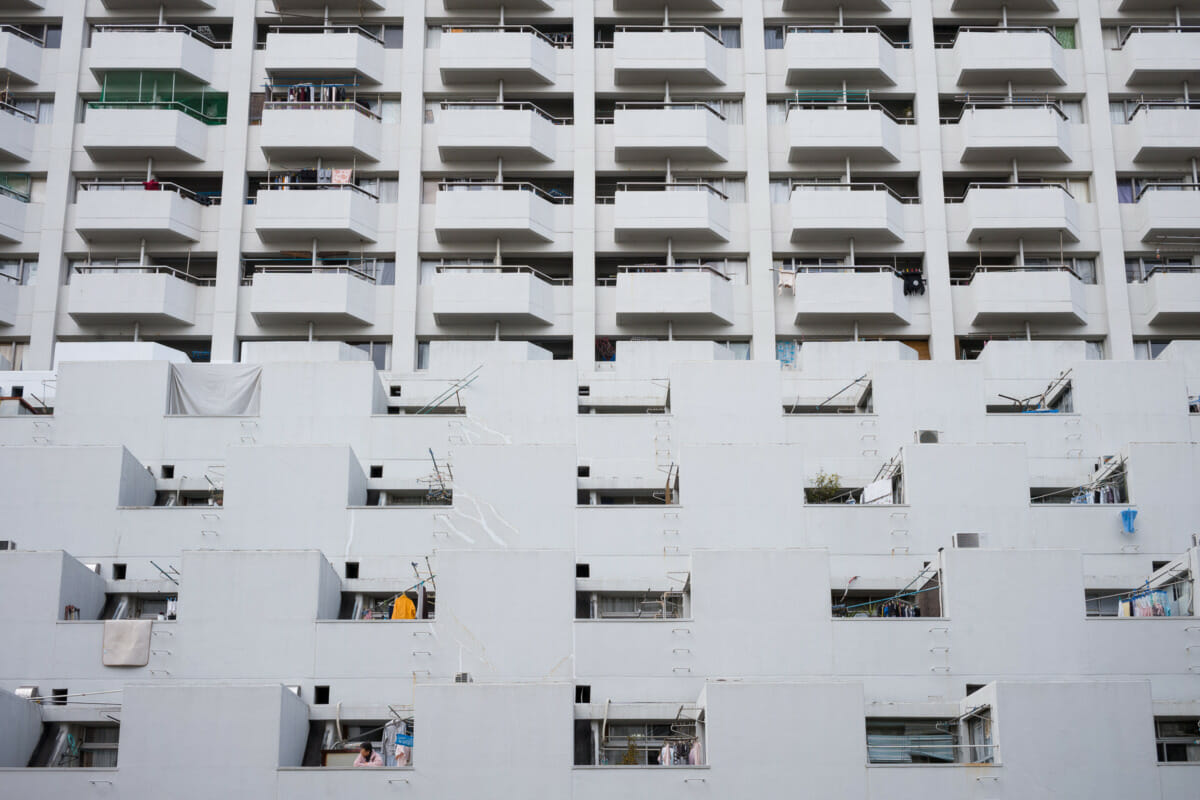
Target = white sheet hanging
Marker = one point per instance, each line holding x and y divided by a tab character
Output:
878	493
215	390
126	642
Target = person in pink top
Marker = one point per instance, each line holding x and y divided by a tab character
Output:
367	757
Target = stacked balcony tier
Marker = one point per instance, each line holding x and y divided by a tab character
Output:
869	212
994	56
511	294
688	295
165	48
853	294
328	213
144	295
684	212
335	295
126	212
680	55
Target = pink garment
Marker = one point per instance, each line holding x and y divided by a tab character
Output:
403	755
342	175
375	761
694	754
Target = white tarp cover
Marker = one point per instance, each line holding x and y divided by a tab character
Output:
215	390
878	492
126	642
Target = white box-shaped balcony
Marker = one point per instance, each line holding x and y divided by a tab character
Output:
332	213
20	56
494	5
676	5
9	291
337	130
1013	5
150	295
475	131
684	211
856	55
687	131
863	134
1168	211
12	217
169	48
1012	296
311	52
170	5
1173	296
876	295
810	6
126	212
1151	56
683	55
1030	211
692	294
131	134
510	211
16	134
484	294
1165	132
1037	133
867	212
339	295
1021	55
513	54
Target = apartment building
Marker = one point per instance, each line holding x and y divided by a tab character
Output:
709	398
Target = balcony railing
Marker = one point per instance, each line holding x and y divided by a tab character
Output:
502	269
848	105
931	750
484	105
561	40
20	34
1002	185
8	191
651	186
849	29
169	105
151	28
283	186
203	198
997	29
1015	268
142	269
1165	187
1146	105
1154	29
504	186
1165	269
361	275
662	29
854	187
8	108
636	268
984	102
321	105
363	32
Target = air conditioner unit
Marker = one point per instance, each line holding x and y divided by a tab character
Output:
462	677
28	692
966	540
924	436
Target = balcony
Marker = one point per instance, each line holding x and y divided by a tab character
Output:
125	211
683	55
133	294
10	289
1044	6
861	55
810	6
20	56
169	48
1173	295
865	211
851	293
513	294
1155	55
486	131
678	294
13	206
494	5
860	130
336	129
1167	131
1007	130
686	131
997	55
329	212
512	211
1031	211
1012	295
516	54
681	211
655	6
173	5
340	295
133	131
1167	211
16	133
316	51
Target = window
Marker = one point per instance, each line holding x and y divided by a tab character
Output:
730	35
966	740
396	606
1177	739
666	742
1065	35
1149	349
773	37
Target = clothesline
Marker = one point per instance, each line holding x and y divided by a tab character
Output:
1109	480
1131	593
893	597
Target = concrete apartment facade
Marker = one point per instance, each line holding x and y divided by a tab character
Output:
590	399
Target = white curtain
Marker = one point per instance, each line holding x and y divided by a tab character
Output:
215	390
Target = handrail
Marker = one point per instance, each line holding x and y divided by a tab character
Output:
668	105
669	29
287	29
276	184
321	105
13	29
998	29
820	105
1155	29
634	268
169	105
156	269
1021	268
136	185
678	186
14	278
8	191
503	269
928	746
498	186
854	187
1149	104
508	106
563	42
315	270
849	29
1168	269
1005	185
9	108
814	269
1167	187
985	102
153	28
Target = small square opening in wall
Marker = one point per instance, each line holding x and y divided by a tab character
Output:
394	391
377	470
583	570
351	570
58	697
972	688
167	471
585	391
583	471
320	695
966	540
1155	566
118	572
583	694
